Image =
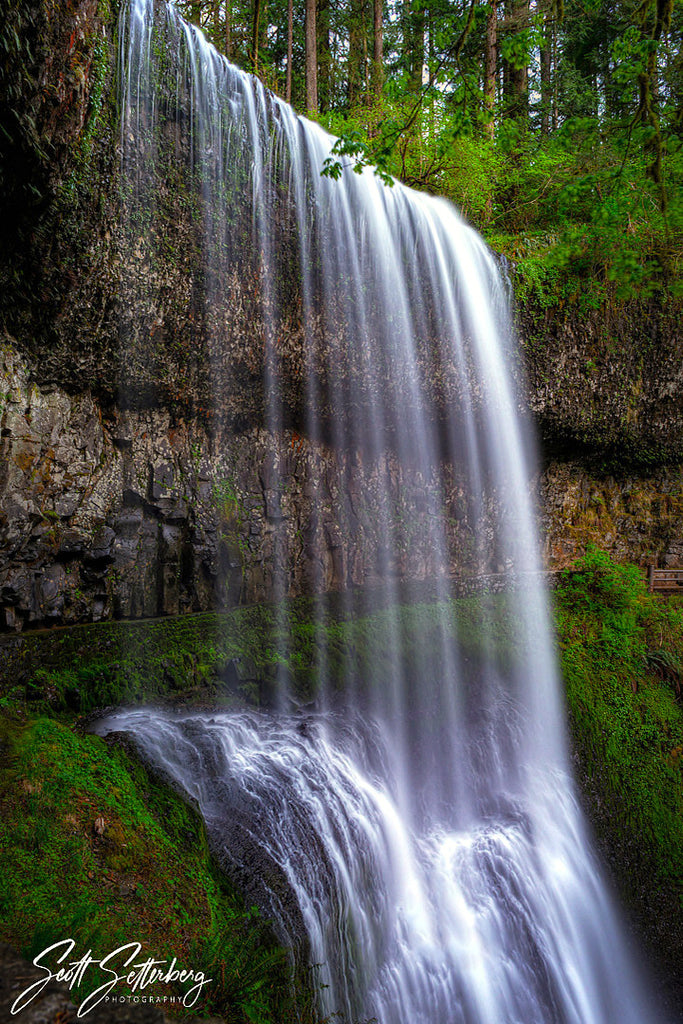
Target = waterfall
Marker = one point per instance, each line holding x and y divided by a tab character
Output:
414	831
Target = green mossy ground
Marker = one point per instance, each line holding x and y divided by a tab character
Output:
622	661
196	658
96	851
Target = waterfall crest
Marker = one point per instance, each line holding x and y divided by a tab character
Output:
420	826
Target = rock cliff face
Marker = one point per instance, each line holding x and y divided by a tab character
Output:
606	384
134	482
637	517
139	513
59	200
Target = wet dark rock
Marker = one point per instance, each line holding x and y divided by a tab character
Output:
273	504
72	544
161	481
51	587
153	534
230	674
102	547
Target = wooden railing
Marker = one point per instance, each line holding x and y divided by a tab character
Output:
664	580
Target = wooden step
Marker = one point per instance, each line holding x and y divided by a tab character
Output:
664	579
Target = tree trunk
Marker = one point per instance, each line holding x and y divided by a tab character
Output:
324	54
517	99
490	60
228	29
377	49
311	58
366	62
546	93
556	110
519	75
290	38
255	35
649	106
354	67
414	45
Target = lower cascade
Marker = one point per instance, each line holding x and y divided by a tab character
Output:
500	920
413	830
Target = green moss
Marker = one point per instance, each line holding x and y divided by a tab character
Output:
625	717
96	120
80	193
83	668
151	839
143	873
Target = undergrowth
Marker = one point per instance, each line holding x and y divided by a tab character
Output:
621	656
96	851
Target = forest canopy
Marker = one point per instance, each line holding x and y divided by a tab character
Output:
555	126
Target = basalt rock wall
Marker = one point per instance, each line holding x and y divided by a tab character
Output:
136	474
606	384
139	513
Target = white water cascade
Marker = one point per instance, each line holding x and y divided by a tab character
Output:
418	827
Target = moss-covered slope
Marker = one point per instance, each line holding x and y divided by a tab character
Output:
97	851
622	661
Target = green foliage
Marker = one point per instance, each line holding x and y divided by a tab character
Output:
572	168
151	864
597	584
145	876
621	655
617	642
667	665
96	114
352	150
576	213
